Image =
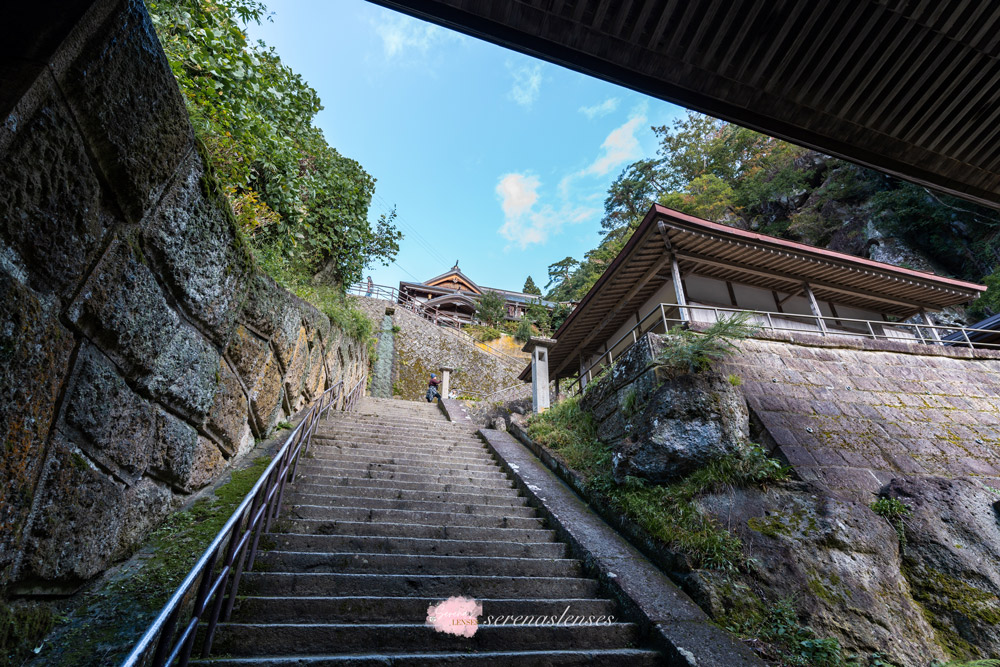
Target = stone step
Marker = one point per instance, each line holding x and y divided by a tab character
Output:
440	482
416	585
290	639
429	465
326	456
386	426
506	497
369	563
465	445
414	545
431	473
327	485
415	446
426	531
287	609
295	498
370	515
622	657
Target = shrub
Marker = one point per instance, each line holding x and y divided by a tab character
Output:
692	352
523	332
893	511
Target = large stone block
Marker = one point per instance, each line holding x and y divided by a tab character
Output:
194	239
122	308
273	312
176	443
315	321
295	370
35	353
51	209
78	516
230	410
315	373
265	397
208	463
124	95
147	503
185	374
249	353
106	419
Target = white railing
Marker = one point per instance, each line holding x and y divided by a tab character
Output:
658	321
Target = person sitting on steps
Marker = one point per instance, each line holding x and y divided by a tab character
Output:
432	389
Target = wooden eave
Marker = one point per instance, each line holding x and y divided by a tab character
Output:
717	251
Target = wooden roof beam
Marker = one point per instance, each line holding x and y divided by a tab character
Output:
744	268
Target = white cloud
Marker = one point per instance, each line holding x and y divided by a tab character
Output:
619	147
526	223
603	109
402	35
527	83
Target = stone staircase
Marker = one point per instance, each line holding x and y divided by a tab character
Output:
396	509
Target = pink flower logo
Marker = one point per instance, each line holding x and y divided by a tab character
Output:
456	616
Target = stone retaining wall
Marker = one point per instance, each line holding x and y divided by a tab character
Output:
422	347
848	413
140	349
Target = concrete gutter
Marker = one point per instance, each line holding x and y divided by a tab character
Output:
668	616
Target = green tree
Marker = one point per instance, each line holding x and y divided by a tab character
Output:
490	308
560	272
290	190
530	287
538	314
523	331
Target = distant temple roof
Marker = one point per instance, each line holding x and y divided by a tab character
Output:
455	281
730	254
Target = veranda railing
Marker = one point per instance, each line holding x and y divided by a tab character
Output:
214	580
664	316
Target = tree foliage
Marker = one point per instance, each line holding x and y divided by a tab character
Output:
729	174
289	189
490	308
530	287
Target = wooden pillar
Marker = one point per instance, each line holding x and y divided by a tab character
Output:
814	307
675	273
929	322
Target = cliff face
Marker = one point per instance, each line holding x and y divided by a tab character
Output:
857	420
141	350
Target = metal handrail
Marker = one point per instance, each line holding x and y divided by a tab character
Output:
430	313
659	315
239	539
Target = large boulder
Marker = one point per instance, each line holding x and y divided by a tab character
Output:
688	421
951	559
836	559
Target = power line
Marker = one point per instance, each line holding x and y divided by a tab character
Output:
417	236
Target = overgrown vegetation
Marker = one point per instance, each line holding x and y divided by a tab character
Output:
689	352
483	333
732	175
893	511
669	513
22	628
291	192
110	619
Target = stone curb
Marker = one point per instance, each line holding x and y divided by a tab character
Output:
455	411
668	616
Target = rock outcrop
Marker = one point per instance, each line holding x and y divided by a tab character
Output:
140	350
856	420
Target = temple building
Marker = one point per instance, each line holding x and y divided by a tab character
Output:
677	269
455	294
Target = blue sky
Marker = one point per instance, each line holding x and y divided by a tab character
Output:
493	158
